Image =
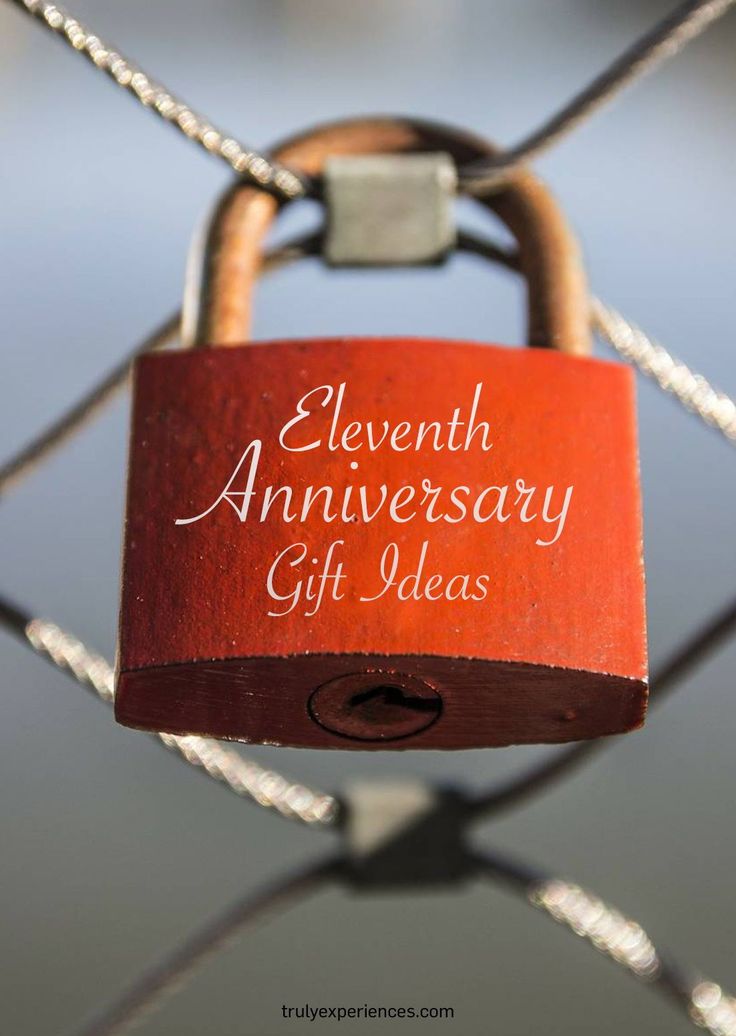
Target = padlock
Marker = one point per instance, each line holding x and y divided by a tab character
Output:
390	542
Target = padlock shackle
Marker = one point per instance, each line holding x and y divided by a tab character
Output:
218	306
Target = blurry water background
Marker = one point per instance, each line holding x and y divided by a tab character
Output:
112	850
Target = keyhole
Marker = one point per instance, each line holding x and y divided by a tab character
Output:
368	707
393	696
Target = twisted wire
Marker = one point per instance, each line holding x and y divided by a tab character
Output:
713	1010
249	164
565	761
601	925
690	389
626	943
243	776
616	936
168	975
665	40
92	402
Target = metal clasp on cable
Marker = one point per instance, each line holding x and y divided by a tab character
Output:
389	210
404	834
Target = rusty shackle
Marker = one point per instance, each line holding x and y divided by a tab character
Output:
218	302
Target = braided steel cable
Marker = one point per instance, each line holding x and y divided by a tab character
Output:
176	968
617	937
665	40
243	776
712	635
692	390
610	932
93	401
248	164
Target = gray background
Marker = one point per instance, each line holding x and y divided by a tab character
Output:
111	849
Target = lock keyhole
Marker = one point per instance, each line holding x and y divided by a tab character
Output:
393	696
375	706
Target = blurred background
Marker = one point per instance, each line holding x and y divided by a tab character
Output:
112	850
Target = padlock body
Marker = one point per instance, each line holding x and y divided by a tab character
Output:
382	543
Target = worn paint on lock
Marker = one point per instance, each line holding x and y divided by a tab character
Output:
443	515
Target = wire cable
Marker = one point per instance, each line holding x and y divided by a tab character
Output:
94	400
243	776
691	389
248	164
617	937
176	968
518	790
665	40
91	403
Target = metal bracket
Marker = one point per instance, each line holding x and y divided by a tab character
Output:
389	210
405	834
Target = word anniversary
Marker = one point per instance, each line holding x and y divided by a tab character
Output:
363	502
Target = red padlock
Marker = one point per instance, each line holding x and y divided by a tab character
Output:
384	543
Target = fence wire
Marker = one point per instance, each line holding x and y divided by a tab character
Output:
226	765
666	39
613	934
172	972
621	939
